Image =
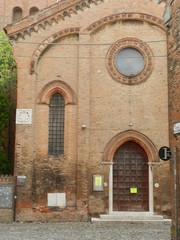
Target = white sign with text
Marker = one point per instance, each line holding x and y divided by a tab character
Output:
23	116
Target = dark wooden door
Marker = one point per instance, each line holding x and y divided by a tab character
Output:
130	178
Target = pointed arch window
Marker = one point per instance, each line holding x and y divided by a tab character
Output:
56	125
17	14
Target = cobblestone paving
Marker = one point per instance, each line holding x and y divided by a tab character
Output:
85	231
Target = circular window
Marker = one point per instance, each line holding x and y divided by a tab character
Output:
130	61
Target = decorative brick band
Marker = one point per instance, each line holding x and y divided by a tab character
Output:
126	136
56	86
134	43
46	17
41	48
126	16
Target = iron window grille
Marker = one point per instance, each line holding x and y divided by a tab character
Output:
56	125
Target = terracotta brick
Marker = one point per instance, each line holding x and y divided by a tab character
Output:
75	62
173	31
7	6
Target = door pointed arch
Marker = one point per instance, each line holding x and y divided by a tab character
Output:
130	135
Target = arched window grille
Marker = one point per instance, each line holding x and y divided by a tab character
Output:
56	125
17	14
33	10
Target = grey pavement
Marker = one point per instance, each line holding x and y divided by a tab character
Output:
85	231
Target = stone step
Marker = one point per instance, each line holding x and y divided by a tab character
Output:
130	217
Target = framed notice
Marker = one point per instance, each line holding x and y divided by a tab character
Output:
133	190
98	183
23	116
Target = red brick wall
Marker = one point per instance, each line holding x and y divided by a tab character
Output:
173	26
6	8
106	106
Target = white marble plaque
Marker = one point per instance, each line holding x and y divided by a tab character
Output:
23	116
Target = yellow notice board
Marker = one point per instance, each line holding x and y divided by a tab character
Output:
133	190
98	183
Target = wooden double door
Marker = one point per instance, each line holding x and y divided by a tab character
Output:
130	178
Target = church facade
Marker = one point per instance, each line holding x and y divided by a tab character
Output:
92	97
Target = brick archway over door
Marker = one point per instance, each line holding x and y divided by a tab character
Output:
130	135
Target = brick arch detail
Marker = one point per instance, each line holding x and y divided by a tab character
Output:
46	43
126	16
56	86
130	135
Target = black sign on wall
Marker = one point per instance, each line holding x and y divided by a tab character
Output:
165	153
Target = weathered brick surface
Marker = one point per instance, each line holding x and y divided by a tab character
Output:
78	58
173	27
7	6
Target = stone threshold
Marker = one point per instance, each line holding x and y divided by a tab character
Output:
131	217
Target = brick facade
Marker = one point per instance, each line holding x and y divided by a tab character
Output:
64	49
173	30
7	6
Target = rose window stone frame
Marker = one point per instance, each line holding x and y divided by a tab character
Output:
142	48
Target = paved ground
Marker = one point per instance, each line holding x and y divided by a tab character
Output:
85	231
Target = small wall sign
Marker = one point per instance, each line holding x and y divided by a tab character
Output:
165	153
176	128
133	190
156	185
23	116
21	180
98	183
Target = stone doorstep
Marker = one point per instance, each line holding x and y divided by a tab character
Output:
131	217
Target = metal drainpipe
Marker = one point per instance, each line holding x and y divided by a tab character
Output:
175	195
15	199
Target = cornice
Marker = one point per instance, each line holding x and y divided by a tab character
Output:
46	17
54	14
124	16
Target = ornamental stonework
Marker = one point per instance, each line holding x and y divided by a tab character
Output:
142	48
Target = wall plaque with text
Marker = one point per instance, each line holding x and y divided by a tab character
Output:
23	116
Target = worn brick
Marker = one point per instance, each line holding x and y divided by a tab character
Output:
173	31
77	58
